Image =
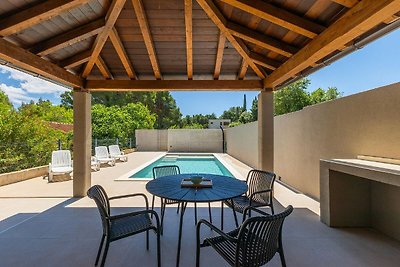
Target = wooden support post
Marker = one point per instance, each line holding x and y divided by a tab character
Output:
266	131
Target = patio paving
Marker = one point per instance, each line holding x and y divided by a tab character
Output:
41	225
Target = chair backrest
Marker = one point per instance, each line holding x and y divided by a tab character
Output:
99	195
165	171
61	158
114	150
258	180
101	152
259	239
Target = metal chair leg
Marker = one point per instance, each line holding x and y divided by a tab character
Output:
198	246
209	212
99	251
195	213
158	249
162	215
147	240
234	214
103	260
152	206
177	210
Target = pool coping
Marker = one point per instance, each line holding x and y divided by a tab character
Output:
126	177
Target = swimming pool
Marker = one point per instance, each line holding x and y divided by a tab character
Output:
187	164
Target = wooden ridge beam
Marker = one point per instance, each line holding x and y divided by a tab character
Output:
189	37
278	16
148	39
364	16
243	69
33	63
220	21
220	54
76	60
261	40
103	68
68	38
346	3
34	15
174	85
113	12
123	56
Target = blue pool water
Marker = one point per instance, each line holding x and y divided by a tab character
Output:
187	164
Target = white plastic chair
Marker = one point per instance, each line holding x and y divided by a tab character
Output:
116	153
61	163
94	163
102	155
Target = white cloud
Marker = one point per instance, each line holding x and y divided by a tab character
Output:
31	84
16	95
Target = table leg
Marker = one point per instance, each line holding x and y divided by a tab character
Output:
180	234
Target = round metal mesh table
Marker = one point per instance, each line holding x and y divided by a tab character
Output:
223	188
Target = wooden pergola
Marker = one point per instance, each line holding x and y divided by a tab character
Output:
142	45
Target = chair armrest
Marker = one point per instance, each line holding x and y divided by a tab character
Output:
248	208
133	195
216	229
135	213
257	193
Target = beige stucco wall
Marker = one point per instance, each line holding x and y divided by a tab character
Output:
195	140
242	143
151	140
18	176
367	123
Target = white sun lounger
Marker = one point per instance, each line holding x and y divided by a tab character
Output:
94	163
61	163
102	155
116	153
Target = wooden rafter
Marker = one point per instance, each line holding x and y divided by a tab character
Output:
359	19
216	16
148	39
346	3
264	61
76	60
113	12
36	14
103	68
173	85
220	54
261	40
123	56
31	62
189	39
278	16
68	38
243	69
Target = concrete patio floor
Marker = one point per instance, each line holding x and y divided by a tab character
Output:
41	225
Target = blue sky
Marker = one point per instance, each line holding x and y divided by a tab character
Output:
375	65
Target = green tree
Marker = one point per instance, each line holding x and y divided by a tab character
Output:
166	110
292	97
45	110
67	99
244	103
254	109
5	104
245	117
232	113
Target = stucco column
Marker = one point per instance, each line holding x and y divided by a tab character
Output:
266	131
82	142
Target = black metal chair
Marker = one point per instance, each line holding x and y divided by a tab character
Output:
123	225
253	244
259	194
166	171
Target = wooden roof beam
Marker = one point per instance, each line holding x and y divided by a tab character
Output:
278	16
346	3
358	20
261	40
103	68
148	39
220	54
189	38
68	38
174	85
122	54
33	63
264	61
34	15
243	69
113	12
76	60
216	16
